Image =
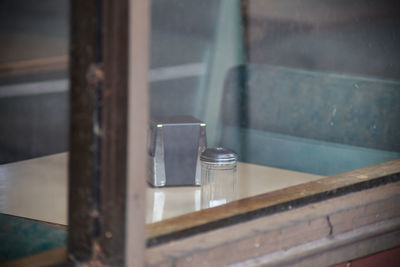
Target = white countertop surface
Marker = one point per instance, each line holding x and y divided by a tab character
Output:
37	189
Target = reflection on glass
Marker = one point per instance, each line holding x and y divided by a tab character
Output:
158	208
320	90
34	123
299	89
33	73
165	203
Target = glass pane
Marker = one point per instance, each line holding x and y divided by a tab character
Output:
33	85
322	85
34	125
299	89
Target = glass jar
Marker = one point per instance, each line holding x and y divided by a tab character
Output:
218	177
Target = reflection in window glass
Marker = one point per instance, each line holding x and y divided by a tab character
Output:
306	87
33	73
34	123
320	90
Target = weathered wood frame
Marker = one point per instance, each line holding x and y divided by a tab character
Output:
108	124
98	156
323	222
320	223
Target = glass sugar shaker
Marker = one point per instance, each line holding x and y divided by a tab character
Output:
218	177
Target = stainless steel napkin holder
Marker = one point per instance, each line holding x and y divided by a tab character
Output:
174	148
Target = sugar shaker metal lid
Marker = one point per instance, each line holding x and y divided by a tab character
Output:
219	155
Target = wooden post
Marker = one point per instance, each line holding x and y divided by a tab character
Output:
99	146
84	61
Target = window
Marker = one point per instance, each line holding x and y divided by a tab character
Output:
299	90
34	118
303	92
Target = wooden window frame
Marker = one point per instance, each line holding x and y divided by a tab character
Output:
109	39
323	222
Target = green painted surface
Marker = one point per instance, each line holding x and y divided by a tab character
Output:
22	237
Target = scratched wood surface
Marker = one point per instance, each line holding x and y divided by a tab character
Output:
349	226
328	186
336	221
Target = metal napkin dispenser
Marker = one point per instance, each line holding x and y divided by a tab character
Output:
174	148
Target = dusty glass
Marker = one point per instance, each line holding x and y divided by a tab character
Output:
34	108
299	89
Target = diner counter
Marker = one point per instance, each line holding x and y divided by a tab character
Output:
37	189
